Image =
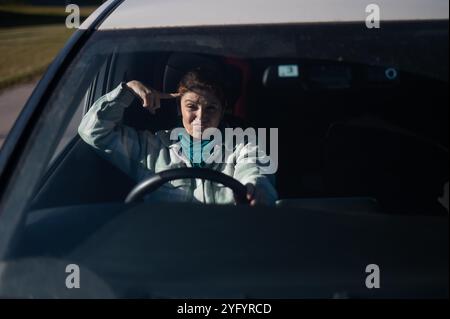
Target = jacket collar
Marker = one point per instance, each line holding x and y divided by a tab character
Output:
175	145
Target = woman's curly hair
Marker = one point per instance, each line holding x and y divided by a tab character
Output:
201	79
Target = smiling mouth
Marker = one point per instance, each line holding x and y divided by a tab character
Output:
203	125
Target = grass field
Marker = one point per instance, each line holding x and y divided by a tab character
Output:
27	50
43	10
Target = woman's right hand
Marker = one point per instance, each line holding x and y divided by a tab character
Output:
151	98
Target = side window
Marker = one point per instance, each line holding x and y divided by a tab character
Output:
98	86
96	89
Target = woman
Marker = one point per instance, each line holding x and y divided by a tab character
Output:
140	153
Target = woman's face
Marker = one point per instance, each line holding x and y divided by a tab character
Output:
200	110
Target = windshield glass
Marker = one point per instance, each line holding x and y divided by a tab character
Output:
342	121
359	114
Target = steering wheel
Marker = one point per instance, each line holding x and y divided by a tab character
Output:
154	182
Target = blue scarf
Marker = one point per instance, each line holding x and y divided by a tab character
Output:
194	150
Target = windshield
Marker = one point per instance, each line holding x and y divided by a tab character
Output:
358	113
353	122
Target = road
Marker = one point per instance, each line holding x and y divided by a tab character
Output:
11	103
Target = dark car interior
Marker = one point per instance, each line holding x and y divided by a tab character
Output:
348	133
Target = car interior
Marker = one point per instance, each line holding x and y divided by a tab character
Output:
350	135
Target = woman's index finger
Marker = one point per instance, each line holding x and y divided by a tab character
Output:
168	95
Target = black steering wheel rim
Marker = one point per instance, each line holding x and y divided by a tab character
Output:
153	182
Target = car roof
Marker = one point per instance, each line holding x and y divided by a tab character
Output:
178	13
